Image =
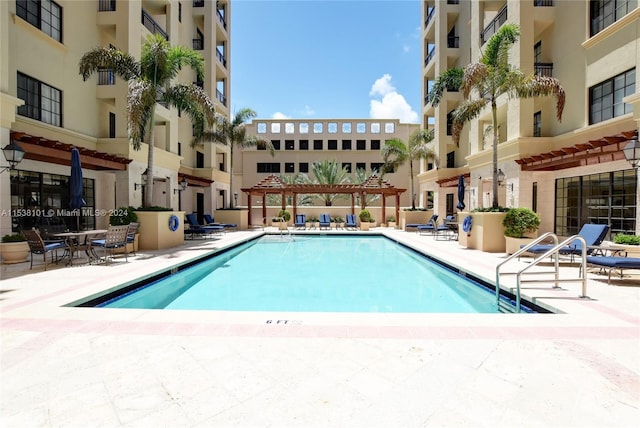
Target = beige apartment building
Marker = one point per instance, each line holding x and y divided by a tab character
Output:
354	143
47	108
570	172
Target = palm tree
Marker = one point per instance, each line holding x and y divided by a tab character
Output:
490	78
150	82
395	153
328	172
234	134
301	200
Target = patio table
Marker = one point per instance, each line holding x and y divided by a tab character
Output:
80	241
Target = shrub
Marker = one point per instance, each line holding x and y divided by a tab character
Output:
337	219
14	237
312	219
122	216
286	215
154	208
391	219
519	221
491	210
365	216
623	239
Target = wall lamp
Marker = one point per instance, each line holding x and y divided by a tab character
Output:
183	186
632	152
13	154
501	177
144	181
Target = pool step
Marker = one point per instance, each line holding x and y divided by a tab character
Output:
506	306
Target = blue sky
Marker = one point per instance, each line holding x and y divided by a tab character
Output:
326	59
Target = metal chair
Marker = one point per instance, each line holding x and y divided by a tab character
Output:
115	238
38	246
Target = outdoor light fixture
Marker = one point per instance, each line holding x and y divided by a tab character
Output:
501	177
183	186
144	181
13	154
235	196
632	152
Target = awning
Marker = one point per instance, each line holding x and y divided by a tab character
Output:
194	180
453	180
52	151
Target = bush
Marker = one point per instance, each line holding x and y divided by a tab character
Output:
312	219
391	219
286	215
337	219
122	216
520	221
491	210
365	216
623	239
14	237
154	208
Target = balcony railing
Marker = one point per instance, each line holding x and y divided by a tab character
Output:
429	17
453	41
430	56
198	44
453	1
493	26
106	77
152	25
542	3
198	3
221	97
221	19
199	83
221	58
543	69
106	5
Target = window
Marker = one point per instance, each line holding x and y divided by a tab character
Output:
179	148
347	166
304	144
605	99
450	123
317	144
605	12
289	145
317	128
199	160
43	14
41	101
179	12
361	165
376	166
346	144
303	127
333	145
262	128
361	127
389	128
275	128
275	144
346	128
449	204
375	127
268	167
112	125
537	52
303	167
332	127
289	128
451	160
537	124
361	145
375	144
289	167
534	196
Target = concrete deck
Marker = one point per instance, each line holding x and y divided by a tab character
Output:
78	367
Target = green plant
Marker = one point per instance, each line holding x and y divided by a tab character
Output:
520	221
286	215
312	219
337	219
391	219
365	216
154	208
414	209
623	239
498	209
122	216
14	237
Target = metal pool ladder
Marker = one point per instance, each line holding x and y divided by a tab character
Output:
505	306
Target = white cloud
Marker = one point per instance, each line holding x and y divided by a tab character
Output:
392	105
309	111
279	115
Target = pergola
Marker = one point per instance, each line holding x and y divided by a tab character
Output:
273	185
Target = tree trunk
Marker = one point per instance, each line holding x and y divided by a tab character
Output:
413	198
148	190
494	112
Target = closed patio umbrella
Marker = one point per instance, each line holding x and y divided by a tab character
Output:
76	201
461	204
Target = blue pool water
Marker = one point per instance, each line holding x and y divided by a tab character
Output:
315	274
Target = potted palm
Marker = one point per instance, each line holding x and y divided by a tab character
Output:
391	221
520	227
14	248
365	219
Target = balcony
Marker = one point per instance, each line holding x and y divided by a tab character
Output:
430	56
198	3
453	41
152	25
106	5
429	16
493	26
220	13
543	3
198	44
221	58
106	77
453	1
543	69
221	97
199	84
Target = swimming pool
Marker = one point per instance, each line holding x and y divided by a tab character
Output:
315	274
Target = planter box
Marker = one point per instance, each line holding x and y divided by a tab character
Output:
367	225
239	217
14	252
513	244
486	234
409	217
631	250
154	230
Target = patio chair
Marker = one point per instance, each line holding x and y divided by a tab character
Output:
351	222
48	231
442	231
131	236
427	228
38	246
196	228
301	221
208	219
115	238
611	263
325	221
593	234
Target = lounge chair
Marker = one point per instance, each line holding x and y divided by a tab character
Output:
325	221
115	238
208	219
443	231
593	234
611	263
196	228
351	222
429	227
301	221
38	246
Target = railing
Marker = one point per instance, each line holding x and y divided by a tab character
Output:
220	96
198	3
106	77
199	83
429	17
152	25
430	56
453	41
221	58
493	26
221	19
539	3
453	1
106	5
198	44
543	69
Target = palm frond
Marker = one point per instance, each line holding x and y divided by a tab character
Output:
141	100
154	60
123	65
536	86
475	77
497	47
179	57
449	79
467	111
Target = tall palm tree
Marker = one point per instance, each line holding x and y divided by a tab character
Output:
395	153
301	200
150	82
328	172
234	134
490	78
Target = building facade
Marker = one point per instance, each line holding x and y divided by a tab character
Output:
48	109
353	143
571	171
